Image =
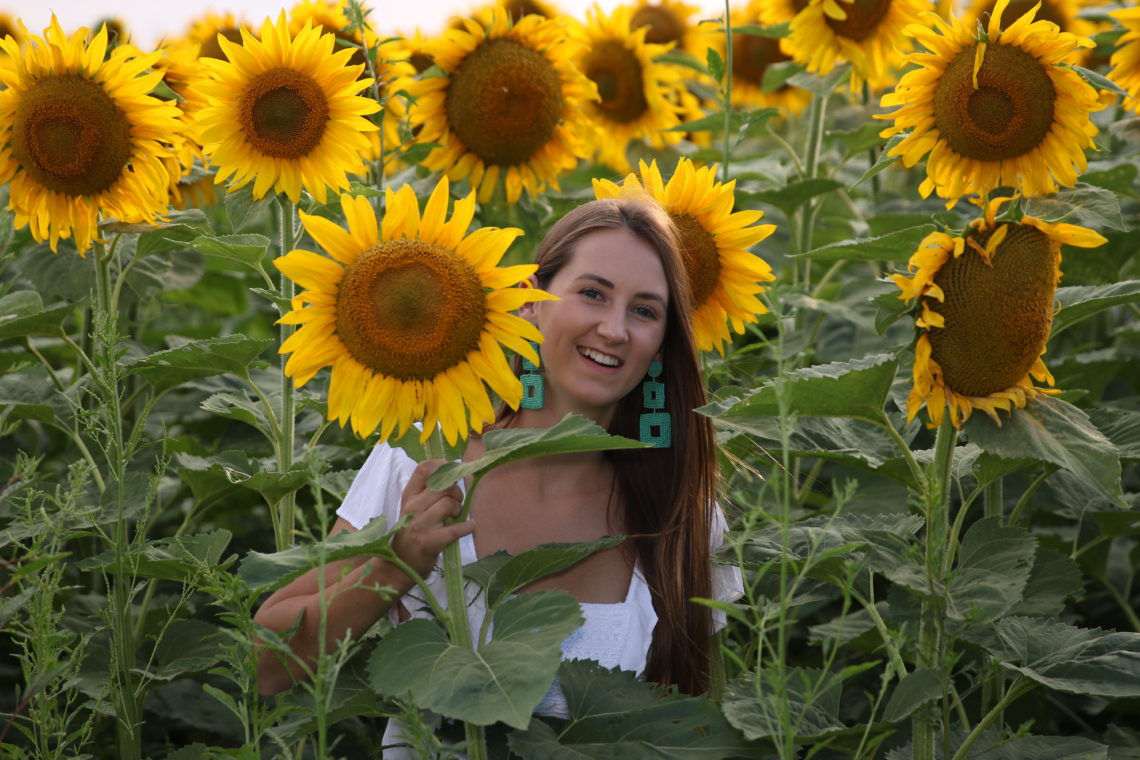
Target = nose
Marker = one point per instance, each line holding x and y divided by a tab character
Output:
612	326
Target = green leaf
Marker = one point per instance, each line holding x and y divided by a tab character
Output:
246	249
1085	661
1053	431
183	558
1100	81
1122	427
747	122
681	58
1054	578
22	313
774	32
884	160
776	75
893	246
856	388
1082	301
1119	178
994	564
503	681
614	714
883	541
825	85
859	140
890	310
187	646
1044	748
810	697
715	63
1084	205
501	574
914	690
795	194
31	395
572	434
241	208
214	356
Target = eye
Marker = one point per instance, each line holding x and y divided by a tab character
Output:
645	311
592	293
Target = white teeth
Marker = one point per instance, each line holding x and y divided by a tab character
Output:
600	358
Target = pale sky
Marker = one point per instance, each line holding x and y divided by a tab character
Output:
149	20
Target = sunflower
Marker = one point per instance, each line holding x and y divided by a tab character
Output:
410	317
987	306
1063	13
1002	112
284	111
516	10
723	276
1126	58
511	104
638	98
205	29
752	55
671	22
80	136
867	33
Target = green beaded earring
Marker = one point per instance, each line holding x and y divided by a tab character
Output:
656	424
531	383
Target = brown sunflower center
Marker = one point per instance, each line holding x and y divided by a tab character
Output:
752	55
1007	115
7	29
410	310
421	62
283	113
702	261
211	49
519	8
1017	8
664	24
70	136
997	317
504	101
863	18
617	73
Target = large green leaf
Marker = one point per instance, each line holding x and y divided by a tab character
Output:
501	574
806	704
214	356
790	197
186	646
22	313
1054	578
1044	748
181	558
1082	301
571	435
1085	205
914	690
994	563
899	245
1085	661
855	388
1122	427
615	715
247	249
209	476
31	395
501	682
1053	431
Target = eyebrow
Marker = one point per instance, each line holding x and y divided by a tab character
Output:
603	281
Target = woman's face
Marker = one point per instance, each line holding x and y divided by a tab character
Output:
608	326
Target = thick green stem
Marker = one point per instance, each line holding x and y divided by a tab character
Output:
283	524
1018	690
994	499
816	116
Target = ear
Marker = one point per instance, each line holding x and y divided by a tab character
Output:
527	310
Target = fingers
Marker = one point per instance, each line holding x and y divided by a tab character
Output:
417	496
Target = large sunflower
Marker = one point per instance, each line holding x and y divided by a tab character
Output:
637	97
80	136
723	276
284	112
987	307
753	54
510	105
1126	58
867	33
1002	112
409	316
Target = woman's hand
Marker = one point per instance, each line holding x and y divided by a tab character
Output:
421	541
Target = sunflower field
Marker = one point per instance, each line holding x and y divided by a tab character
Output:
232	264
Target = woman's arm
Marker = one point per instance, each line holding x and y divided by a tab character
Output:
352	587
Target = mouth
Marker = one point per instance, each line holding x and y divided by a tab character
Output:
601	359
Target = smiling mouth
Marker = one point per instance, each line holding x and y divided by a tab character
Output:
598	357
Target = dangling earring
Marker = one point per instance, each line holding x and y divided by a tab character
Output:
531	383
656	424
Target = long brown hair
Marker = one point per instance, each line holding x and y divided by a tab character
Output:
666	494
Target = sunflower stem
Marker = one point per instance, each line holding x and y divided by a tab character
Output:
727	91
284	508
816	117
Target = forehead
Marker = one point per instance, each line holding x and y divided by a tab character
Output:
620	257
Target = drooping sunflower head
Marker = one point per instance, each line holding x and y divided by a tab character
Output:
1001	112
1126	58
80	136
753	54
638	98
411	315
284	112
869	34
511	105
724	277
986	309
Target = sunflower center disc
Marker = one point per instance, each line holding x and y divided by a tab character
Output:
1007	115
752	55
211	49
863	17
702	260
283	113
997	318
410	310
70	136
617	73
664	26
520	8
504	102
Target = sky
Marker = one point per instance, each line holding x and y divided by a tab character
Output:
149	20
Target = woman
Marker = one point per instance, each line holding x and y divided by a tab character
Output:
624	305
